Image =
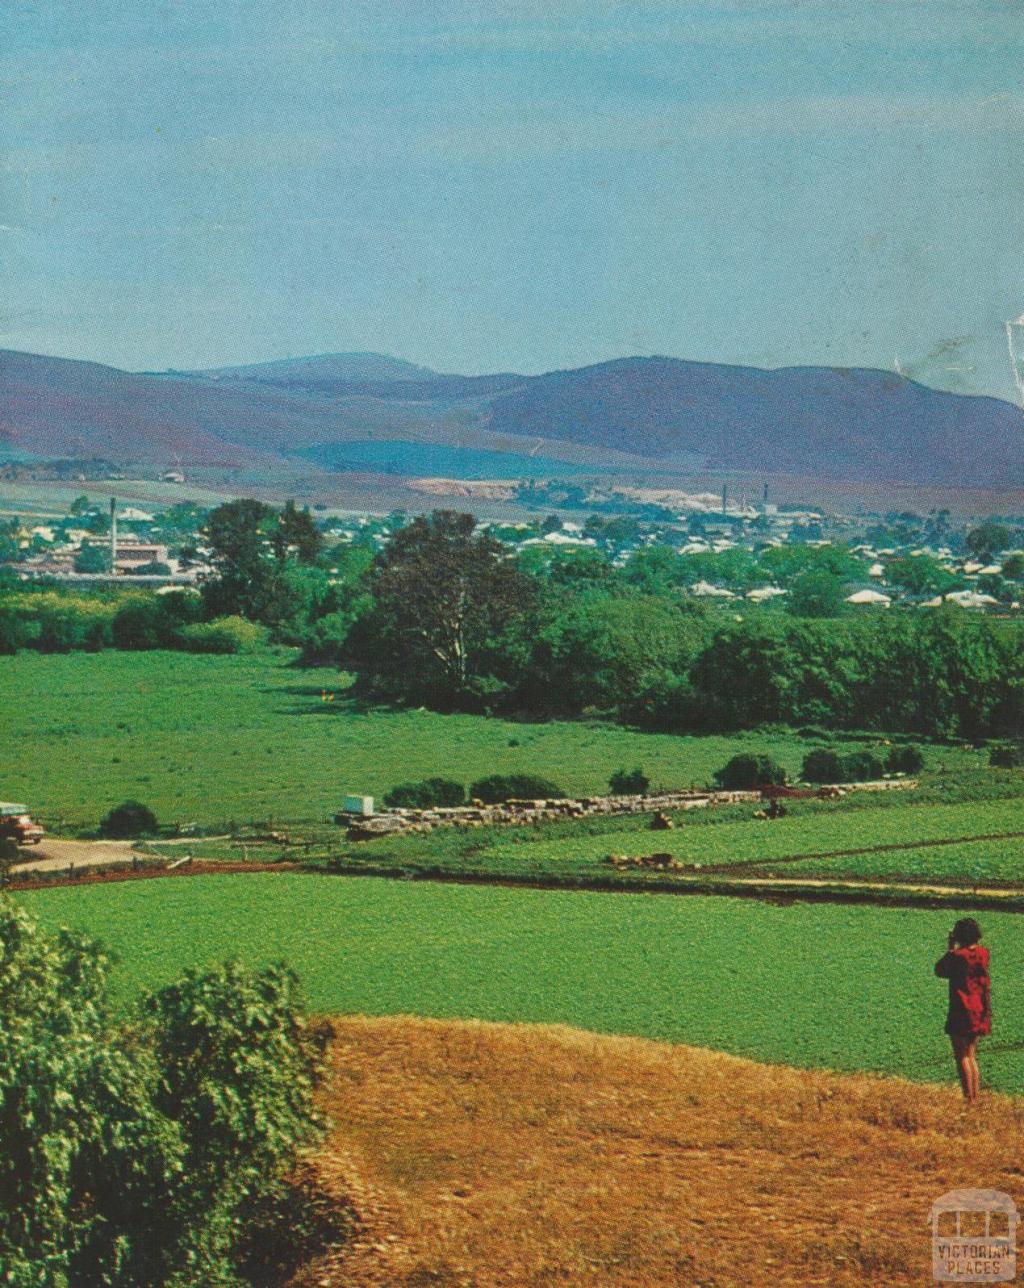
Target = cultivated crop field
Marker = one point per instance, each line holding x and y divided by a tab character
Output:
975	863
208	740
809	985
821	832
863	836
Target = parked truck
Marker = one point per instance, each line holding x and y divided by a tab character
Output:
18	825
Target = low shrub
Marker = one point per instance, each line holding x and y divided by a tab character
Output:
129	819
747	771
629	782
426	794
505	787
822	765
861	767
223	635
908	759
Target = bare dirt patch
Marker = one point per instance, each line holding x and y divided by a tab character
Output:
486	1155
53	855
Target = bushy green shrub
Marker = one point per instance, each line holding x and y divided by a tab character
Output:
747	771
427	794
224	635
133	1153
16	629
129	819
822	765
67	623
908	759
861	766
629	782
138	624
504	787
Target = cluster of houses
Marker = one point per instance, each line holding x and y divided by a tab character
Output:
132	545
68	550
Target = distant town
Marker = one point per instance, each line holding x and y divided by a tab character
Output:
895	558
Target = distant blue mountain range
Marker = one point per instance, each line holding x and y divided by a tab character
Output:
372	410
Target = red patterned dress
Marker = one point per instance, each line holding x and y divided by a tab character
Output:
970	1004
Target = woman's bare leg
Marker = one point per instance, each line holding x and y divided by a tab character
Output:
963	1053
975	1072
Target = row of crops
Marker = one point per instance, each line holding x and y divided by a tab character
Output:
761	841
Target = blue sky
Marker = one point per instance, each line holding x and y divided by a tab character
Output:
515	185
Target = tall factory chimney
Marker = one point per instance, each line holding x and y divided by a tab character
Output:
113	535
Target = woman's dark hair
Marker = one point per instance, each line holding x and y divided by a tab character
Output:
966	932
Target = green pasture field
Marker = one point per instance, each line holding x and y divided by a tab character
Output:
208	740
809	985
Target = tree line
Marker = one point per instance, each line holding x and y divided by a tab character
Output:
452	622
446	616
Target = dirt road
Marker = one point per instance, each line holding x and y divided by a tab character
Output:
54	855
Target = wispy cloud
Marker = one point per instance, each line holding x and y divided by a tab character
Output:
542	129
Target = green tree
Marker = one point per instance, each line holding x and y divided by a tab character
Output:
747	674
1013	567
247	580
567	565
131	818
615	652
505	787
89	1167
816	593
444	596
93	559
426	794
987	540
921	575
629	782
295	533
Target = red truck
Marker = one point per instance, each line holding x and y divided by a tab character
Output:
17	824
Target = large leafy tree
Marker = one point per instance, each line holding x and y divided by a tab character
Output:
445	603
252	549
246	581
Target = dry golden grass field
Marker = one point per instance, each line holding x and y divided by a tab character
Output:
488	1154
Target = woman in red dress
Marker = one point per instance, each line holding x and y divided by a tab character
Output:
965	965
